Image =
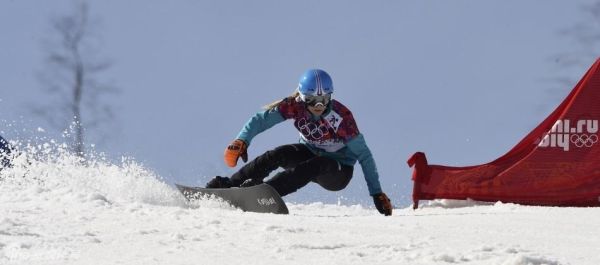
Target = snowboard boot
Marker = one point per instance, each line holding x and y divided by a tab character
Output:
250	183
219	182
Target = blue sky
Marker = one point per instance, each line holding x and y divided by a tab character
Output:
462	81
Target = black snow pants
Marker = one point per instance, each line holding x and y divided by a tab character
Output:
300	166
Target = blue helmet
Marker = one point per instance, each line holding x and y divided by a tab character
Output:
315	82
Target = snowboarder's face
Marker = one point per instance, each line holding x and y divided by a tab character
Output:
317	104
317	110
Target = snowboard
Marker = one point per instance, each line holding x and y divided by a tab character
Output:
260	198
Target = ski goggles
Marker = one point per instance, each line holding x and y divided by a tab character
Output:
316	100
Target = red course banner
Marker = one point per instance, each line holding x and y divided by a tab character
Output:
557	164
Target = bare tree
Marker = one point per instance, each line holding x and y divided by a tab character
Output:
71	78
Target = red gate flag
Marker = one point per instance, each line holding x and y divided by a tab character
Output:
557	164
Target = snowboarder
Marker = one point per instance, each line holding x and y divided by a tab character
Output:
330	144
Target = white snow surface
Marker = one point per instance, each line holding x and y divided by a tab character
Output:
56	210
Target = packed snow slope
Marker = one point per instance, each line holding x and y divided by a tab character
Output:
54	209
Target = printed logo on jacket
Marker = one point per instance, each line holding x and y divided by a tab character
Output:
330	132
321	133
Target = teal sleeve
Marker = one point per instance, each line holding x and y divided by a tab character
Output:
259	123
358	146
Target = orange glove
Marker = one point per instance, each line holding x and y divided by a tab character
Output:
233	152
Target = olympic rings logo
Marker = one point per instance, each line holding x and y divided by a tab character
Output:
581	140
312	130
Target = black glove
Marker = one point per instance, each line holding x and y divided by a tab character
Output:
383	203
